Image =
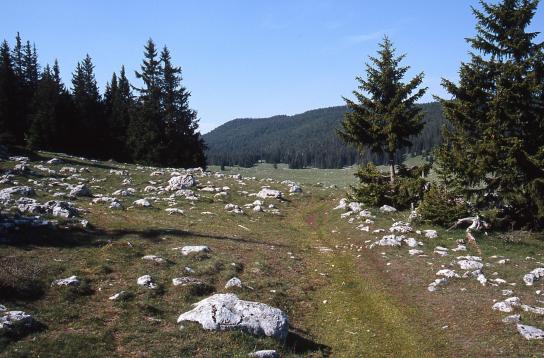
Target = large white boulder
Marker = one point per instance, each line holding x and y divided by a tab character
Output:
228	312
187	250
69	281
387	209
530	278
181	182
269	193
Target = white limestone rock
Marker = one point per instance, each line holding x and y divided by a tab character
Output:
186	281
181	182
80	190
69	281
187	250
154	258
146	281
264	354
387	209
228	312
266	193
530	332
536	274
508	305
15	322
142	203
234	282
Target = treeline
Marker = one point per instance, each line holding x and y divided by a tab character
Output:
152	124
307	140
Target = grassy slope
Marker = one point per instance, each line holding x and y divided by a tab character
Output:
346	303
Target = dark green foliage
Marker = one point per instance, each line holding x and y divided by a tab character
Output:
89	124
306	140
37	111
384	120
493	152
375	188
442	207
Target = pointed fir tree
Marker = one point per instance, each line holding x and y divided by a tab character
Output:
385	116
144	131
494	151
9	96
88	138
43	131
181	142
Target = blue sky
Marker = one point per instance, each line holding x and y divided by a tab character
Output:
243	58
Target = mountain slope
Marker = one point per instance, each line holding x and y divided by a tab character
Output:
306	139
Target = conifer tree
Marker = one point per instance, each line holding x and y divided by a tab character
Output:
181	141
119	103
385	116
43	131
494	151
88	129
8	96
144	130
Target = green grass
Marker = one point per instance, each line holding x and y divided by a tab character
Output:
372	308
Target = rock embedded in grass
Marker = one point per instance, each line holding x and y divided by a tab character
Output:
16	322
228	312
387	209
264	354
536	274
234	282
154	258
507	305
186	281
69	281
530	332
266	193
80	190
187	250
143	203
146	281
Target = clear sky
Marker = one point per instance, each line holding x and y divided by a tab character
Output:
250	58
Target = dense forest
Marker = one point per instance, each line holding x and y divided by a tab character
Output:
306	140
152	124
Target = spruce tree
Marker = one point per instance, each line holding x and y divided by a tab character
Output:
89	127
494	151
144	131
385	115
8	96
181	141
43	131
119	103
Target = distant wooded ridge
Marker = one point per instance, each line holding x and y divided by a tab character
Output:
305	140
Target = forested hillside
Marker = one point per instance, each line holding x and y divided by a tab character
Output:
304	140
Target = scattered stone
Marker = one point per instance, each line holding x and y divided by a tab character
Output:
80	190
266	193
387	209
186	281
143	203
55	161
470	263
536	274
234	282
69	281
228	312
146	281
186	250
400	227
264	354
433	286
15	322
447	273
181	182
430	234
530	332
121	296
172	211
515	318
154	258
414	252
532	309
507	305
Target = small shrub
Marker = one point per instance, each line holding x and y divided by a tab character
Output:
375	189
442	207
20	277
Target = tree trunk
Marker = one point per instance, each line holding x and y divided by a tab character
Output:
392	167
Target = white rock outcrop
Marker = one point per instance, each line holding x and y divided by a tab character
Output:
228	312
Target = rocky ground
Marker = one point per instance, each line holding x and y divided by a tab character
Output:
112	259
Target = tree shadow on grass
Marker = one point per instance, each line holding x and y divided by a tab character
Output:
79	237
298	344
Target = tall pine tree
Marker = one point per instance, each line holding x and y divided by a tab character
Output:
181	142
145	126
9	98
89	126
385	115
494	151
